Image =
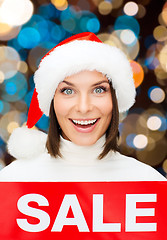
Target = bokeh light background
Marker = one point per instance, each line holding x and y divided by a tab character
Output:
29	29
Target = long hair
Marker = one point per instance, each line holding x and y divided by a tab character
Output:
112	134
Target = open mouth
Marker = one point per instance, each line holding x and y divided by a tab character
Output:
85	125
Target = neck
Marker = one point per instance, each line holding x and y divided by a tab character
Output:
81	155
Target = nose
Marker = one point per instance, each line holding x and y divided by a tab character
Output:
84	104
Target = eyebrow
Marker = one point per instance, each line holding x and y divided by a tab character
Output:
95	84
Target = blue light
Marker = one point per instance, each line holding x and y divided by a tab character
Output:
1	143
14	43
49	11
43	123
11	88
127	22
33	21
42	28
69	25
28	97
149	40
4	107
129	140
15	88
93	25
66	14
163	126
1	106
58	33
29	37
23	54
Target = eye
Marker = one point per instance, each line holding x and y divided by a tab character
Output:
67	91
99	90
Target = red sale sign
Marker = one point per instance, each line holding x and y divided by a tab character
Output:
83	210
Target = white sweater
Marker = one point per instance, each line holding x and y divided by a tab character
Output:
79	163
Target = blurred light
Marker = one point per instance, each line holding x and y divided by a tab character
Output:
43	123
151	60
163	58
149	40
6	119
8	32
164	166
161	75
140	141
4	107
10	88
28	97
160	33
29	37
164	13
60	4
130	139
141	11
14	88
93	25
15	12
156	94
116	3
141	125
105	7
83	5
11	126
130	50
20	106
48	11
154	123
69	24
127	37
138	73
43	27
35	56
8	62
127	22
130	8
57	33
22	67
154	154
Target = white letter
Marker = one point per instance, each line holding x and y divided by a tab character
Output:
98	225
70	200
43	217
132	212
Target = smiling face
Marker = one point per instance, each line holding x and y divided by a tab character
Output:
83	107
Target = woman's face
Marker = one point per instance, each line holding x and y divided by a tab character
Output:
83	107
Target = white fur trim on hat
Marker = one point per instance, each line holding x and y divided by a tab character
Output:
26	143
80	55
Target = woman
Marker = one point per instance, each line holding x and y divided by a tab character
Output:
82	84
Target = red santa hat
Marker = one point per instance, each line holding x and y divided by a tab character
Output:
80	52
84	51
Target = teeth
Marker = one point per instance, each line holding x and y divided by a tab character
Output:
85	122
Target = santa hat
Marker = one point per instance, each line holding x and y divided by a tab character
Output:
84	51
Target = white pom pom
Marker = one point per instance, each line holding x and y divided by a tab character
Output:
26	143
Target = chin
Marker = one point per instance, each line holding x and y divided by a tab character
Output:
84	141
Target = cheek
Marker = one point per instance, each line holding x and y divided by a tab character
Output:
105	106
61	107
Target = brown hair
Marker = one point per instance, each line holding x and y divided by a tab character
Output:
112	134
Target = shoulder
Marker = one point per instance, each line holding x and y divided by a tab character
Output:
136	169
